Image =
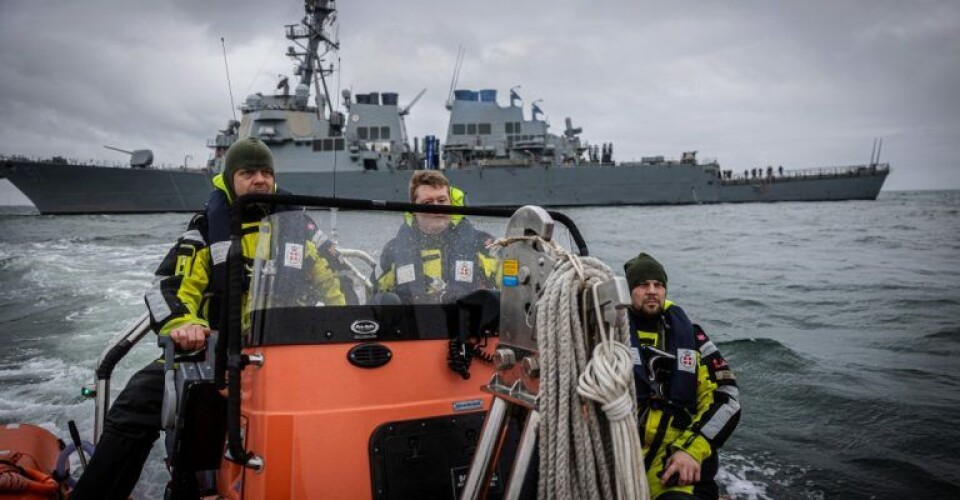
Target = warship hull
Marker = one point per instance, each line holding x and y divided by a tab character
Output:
81	189
60	188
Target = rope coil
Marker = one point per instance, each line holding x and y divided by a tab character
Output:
580	457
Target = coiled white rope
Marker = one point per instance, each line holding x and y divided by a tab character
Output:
608	380
577	459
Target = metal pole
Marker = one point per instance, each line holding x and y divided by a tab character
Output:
484	457
115	351
528	445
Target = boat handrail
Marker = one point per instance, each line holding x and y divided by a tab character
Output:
118	347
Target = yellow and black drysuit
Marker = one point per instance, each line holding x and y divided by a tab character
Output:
193	275
687	403
423	268
187	290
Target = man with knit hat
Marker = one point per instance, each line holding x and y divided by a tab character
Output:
687	395
184	303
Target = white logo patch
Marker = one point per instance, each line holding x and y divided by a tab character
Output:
219	251
406	274
293	255
464	271
636	356
687	360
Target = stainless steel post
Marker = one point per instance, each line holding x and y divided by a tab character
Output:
528	445
115	351
481	468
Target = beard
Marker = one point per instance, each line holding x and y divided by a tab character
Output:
650	310
432	223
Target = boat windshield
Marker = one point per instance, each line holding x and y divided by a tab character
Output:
331	275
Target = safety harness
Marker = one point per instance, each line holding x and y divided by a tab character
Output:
460	272
675	393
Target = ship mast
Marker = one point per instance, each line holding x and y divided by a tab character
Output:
310	36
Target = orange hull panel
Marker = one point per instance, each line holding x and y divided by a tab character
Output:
310	414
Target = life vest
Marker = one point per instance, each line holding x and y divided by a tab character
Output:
216	231
457	247
681	387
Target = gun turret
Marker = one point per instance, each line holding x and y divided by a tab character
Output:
139	158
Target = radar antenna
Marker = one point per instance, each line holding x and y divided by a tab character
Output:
456	75
514	96
535	109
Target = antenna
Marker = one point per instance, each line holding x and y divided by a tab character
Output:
233	106
535	109
873	152
406	109
456	74
879	147
514	96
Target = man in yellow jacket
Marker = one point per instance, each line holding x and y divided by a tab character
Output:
687	395
436	258
184	303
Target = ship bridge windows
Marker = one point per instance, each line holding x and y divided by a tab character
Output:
511	127
472	129
373	133
329	144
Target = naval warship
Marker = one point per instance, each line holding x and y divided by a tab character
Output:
359	148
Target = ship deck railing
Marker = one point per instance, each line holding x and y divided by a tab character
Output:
835	172
57	160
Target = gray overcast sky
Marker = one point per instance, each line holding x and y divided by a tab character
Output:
750	82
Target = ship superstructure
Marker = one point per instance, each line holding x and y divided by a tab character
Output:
481	132
305	130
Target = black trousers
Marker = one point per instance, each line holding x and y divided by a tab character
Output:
131	427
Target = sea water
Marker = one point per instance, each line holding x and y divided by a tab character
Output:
840	319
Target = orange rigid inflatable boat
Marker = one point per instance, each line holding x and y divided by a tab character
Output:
378	398
356	401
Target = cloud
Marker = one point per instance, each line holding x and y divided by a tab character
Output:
749	83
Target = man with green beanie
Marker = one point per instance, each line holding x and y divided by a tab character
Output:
184	303
686	393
